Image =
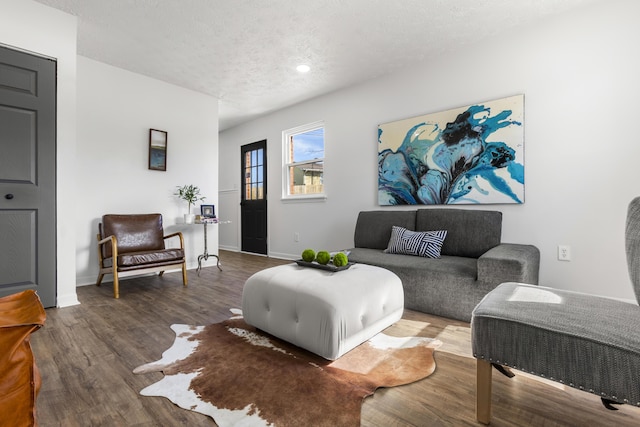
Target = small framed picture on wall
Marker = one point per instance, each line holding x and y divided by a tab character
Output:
157	150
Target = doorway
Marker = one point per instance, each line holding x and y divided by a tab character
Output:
28	175
253	200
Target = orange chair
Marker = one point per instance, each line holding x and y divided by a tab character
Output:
20	315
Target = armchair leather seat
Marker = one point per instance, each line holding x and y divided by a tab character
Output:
137	259
137	242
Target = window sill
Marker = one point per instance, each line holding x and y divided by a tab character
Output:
315	198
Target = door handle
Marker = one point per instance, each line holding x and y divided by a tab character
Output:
8	196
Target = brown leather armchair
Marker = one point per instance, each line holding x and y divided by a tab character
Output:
137	242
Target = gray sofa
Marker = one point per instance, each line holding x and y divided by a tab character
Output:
473	259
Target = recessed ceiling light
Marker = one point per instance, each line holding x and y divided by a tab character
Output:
303	68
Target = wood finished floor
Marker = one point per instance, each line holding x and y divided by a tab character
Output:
86	354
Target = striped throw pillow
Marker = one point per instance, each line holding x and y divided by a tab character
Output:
421	243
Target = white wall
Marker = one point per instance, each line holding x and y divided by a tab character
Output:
116	109
45	31
229	210
102	148
578	73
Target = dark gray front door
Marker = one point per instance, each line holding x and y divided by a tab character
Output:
253	209
28	175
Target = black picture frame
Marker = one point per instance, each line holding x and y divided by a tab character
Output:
158	141
208	211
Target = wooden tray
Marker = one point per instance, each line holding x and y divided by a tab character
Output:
328	267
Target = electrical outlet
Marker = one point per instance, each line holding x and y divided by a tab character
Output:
296	236
564	253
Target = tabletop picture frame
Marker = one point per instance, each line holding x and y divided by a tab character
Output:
158	140
208	211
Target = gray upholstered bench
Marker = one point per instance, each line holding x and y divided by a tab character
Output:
579	340
583	341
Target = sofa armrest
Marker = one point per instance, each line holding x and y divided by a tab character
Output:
509	262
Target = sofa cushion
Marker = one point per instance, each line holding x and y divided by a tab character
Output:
419	243
444	269
373	228
446	287
470	233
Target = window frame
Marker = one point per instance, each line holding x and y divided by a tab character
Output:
287	163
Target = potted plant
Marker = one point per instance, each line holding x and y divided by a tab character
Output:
191	194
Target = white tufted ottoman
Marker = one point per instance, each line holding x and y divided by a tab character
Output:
324	312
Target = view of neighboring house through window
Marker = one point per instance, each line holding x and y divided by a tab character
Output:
304	161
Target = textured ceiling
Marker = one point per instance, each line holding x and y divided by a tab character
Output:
244	52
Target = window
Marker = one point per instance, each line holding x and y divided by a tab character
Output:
304	161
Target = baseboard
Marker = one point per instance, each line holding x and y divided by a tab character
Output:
270	254
67	300
283	256
108	278
86	280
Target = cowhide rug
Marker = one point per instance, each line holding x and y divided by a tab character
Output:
239	375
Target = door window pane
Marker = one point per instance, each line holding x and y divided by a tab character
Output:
254	175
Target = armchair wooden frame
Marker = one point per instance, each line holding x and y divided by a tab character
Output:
117	273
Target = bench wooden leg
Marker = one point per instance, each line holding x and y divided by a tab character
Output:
483	391
99	281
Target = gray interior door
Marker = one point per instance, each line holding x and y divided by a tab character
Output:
27	175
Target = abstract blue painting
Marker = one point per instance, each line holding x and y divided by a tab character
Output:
467	155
